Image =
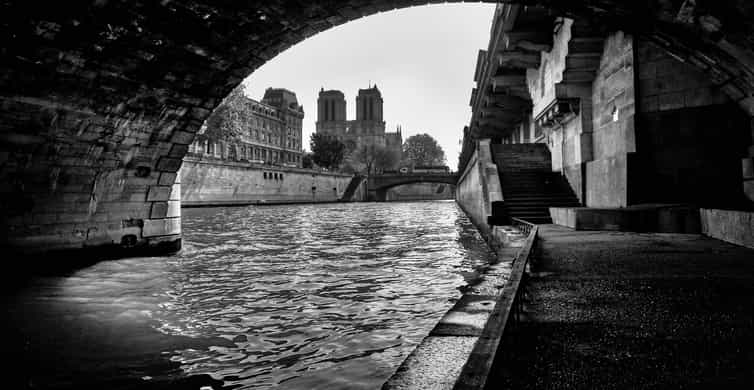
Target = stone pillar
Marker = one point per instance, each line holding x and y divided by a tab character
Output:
164	222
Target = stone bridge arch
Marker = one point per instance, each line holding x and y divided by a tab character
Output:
378	185
100	99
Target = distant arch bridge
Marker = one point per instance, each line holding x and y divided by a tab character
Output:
378	185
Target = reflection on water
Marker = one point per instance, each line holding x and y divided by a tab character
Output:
296	297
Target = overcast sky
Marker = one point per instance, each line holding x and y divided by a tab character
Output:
421	58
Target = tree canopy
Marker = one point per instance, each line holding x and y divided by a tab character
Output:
370	158
423	150
306	161
327	152
230	119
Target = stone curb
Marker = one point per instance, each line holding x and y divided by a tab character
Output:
458	352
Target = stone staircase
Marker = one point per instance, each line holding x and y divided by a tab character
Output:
529	187
351	189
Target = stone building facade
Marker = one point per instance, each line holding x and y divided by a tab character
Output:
625	121
272	133
630	124
367	129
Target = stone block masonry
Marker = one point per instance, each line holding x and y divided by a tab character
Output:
613	124
213	182
736	227
421	191
119	88
478	187
690	136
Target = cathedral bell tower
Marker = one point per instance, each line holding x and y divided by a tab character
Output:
331	112
369	105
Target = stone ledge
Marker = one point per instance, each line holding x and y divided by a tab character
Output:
161	227
434	364
736	227
659	218
459	351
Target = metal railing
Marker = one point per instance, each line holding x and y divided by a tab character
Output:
505	317
522	225
520	267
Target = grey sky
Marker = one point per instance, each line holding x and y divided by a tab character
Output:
421	58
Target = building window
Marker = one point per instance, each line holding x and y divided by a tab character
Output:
265	175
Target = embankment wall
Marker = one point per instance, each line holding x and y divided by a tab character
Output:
479	186
209	182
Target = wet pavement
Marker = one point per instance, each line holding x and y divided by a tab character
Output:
614	310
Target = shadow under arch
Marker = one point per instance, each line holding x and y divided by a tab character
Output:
101	99
379	185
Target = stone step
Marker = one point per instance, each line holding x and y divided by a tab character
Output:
529	213
524	192
514	199
510	185
544	207
538	220
533	183
585	45
583	61
523	174
519	191
579	75
525	179
535	204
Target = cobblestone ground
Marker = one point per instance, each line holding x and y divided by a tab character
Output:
609	310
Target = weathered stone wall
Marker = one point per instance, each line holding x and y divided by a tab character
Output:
573	159
469	194
479	186
522	157
613	112
729	225
569	69
421	191
690	136
541	81
218	182
74	179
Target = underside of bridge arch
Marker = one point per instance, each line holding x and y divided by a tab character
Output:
101	98
378	186
417	191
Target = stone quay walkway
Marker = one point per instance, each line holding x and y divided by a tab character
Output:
613	310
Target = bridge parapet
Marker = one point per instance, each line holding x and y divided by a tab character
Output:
379	184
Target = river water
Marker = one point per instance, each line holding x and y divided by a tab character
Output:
297	297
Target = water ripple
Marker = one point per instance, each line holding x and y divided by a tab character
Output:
297	297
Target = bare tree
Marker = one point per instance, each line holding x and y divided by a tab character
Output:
372	158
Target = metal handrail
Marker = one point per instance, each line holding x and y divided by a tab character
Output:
524	262
506	315
522	225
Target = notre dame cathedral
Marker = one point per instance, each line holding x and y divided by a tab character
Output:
369	127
